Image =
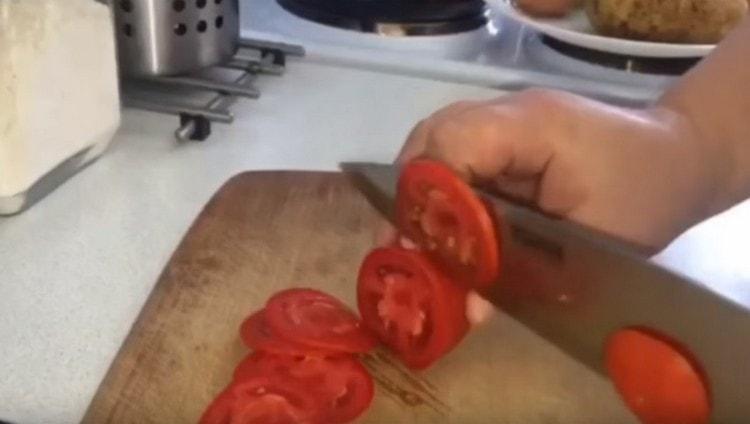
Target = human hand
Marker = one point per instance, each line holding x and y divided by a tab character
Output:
641	175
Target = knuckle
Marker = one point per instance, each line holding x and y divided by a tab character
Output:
419	128
539	98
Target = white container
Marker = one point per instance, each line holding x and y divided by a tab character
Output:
59	100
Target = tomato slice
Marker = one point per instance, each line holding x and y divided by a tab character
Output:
252	365
270	400
441	213
256	334
316	319
657	378
341	387
410	305
261	399
219	411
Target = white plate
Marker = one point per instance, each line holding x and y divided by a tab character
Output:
577	30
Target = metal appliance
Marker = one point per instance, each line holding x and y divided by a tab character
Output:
168	37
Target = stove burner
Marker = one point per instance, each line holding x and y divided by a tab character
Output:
635	64
393	17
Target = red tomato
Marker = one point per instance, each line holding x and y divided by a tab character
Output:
262	400
412	307
441	213
341	387
254	364
316	319
657	378
257	335
219	411
270	400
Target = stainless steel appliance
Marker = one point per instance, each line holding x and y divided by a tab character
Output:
169	37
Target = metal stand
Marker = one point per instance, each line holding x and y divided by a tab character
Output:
195	121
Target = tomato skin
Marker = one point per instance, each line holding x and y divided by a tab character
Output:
323	379
252	365
262	399
342	372
312	318
267	399
302	369
219	411
443	215
420	315
256	334
657	378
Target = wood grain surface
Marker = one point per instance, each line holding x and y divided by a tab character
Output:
265	231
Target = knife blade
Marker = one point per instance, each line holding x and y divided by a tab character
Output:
575	286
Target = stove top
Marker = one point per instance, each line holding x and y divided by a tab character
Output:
393	17
500	53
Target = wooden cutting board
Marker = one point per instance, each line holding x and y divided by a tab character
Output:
265	231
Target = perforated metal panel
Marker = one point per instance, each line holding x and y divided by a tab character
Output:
168	37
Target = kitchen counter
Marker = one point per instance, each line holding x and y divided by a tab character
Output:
77	267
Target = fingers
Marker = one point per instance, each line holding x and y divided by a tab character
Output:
505	144
508	145
422	132
478	309
385	234
524	188
502	141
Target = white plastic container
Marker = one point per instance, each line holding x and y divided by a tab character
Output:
59	100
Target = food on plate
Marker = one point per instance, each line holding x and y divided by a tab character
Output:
316	319
443	215
684	21
547	8
657	378
411	306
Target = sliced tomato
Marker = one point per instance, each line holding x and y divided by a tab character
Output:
442	214
252	365
341	386
657	378
263	363
316	319
267	399
257	335
219	411
411	305
262	400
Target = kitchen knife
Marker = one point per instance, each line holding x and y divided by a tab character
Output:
575	287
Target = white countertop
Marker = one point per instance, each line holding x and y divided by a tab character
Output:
76	268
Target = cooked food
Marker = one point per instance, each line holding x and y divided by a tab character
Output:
547	8
673	21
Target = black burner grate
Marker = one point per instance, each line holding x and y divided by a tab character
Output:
393	17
